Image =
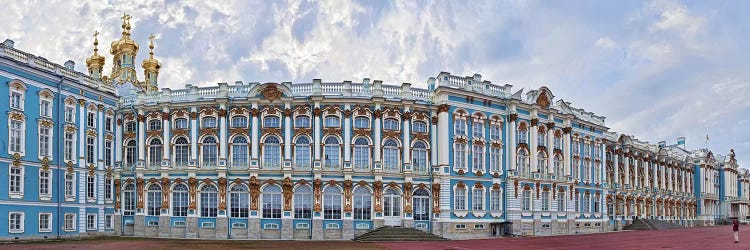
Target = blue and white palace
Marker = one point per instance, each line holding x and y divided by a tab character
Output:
91	154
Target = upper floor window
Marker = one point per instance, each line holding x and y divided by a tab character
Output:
541	138
459	126
45	108
108	124
271	122
332	122
558	142
180	123
154	125
478	129
420	127
522	133
390	124
130	127
16	136
302	122
239	122
91	121
70	113
15	100
361	122
494	132
209	122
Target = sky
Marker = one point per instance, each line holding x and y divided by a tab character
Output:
656	69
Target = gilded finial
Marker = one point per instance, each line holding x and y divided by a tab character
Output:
96	41
125	23
151	45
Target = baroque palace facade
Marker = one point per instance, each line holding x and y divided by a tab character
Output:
89	154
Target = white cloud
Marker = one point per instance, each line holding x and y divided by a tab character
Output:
605	43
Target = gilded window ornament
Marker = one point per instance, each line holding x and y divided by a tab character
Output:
16	160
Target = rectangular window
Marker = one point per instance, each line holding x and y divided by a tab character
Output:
68	147
69	222
561	201
91	121
545	200
90	150
44	108
108	153
108	188
15	100
477	200
45	182
90	187
459	127
16	136
15	222
478	129
16	181
460	199
108	124
109	221
495	159
459	155
495	200
91	222
70	114
44	142
69	185
45	222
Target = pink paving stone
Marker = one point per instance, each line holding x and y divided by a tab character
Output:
719	237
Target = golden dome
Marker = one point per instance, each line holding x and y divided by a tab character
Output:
150	64
95	60
125	44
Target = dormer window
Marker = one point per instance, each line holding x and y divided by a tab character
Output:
390	124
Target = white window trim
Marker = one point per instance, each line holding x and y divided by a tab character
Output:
466	198
109	221
23	221
95	222
484	196
73	107
465	156
73	224
22	152
50	101
49	142
70	197
89	198
16	195
49	224
21	91
73	154
483	161
45	196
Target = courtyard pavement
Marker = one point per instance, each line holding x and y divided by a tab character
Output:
690	238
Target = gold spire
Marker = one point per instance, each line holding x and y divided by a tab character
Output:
95	62
124	52
151	66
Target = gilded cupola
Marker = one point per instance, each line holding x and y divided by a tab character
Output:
124	51
95	63
151	67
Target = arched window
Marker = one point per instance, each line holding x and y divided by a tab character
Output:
526	200
130	153
541	163
181	151
477	156
419	127
180	123
332	121
332	203
332	153
302	153
362	203
545	200
128	198
209	201
210	151
419	157
154	125
272	202
459	156
561	201
179	200
421	201
271	122
496	199
239	122
477	199
523	163
154	152
303	202
459	198
208	122
302	121
271	153
390	124
239	151
153	200
239	201
391	156
559	171
361	154
361	122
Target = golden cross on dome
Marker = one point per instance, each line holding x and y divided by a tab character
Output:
125	17
96	33
151	37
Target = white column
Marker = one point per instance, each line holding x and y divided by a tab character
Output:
603	166
566	149
166	128
194	134
407	136
551	148
534	133
82	134
118	139
254	132
627	170
376	142
141	136
223	132
443	140
100	140
433	141
636	162
511	146
347	134
288	131
616	166
316	131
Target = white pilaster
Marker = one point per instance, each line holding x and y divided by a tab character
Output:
141	136
223	133
287	132
347	134
407	136
254	133
194	134
376	143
